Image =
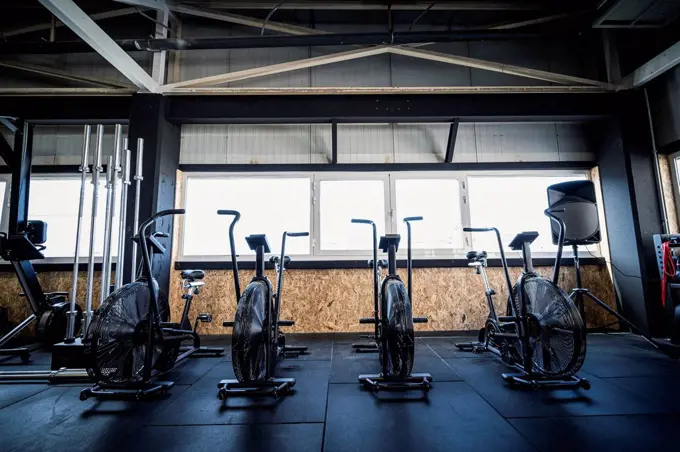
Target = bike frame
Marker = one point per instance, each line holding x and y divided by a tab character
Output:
519	318
153	321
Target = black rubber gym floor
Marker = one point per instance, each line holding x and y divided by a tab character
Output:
634	405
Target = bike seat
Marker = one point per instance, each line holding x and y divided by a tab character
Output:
476	255
193	275
382	263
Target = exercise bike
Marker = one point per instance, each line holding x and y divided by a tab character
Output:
131	340
49	310
542	333
257	343
393	320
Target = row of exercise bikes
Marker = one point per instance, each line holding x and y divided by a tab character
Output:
132	343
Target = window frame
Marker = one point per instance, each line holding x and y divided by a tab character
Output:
674	160
433	253
316	208
567	252
4	224
389	179
181	256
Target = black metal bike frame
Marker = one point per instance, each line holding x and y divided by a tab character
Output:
153	325
18	216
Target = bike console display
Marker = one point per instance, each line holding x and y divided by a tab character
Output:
387	240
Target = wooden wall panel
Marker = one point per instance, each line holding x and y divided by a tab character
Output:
334	300
668	193
50	282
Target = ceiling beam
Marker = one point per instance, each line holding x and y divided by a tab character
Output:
528	22
47	25
61	75
159	60
496	67
278	68
378	50
653	68
244	20
471	5
81	24
380	90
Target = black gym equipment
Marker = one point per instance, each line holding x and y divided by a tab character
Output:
24	242
542	333
393	338
575	204
257	342
131	341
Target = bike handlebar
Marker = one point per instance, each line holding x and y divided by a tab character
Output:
230	212
407	219
232	246
362	221
297	234
156	216
478	229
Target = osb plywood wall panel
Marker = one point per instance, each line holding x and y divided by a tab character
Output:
668	194
334	300
50	282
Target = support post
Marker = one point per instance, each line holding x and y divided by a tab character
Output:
21	174
625	156
159	169
451	143
334	141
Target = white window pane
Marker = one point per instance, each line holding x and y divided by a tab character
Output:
512	204
438	202
342	200
267	205
55	201
3	189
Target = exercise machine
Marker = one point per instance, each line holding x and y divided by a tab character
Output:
575	203
23	243
541	334
393	320
257	343
131	341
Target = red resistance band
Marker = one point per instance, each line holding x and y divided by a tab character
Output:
669	269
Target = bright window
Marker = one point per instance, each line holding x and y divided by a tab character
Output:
3	191
342	200
55	201
512	204
268	205
438	202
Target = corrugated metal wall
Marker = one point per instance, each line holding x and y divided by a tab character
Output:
384	143
381	70
63	145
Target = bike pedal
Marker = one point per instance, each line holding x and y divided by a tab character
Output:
366	336
205	317
228	324
419	319
286	322
369	320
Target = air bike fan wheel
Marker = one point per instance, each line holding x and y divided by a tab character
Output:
249	336
115	343
556	330
398	331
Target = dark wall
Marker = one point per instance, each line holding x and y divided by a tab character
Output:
626	159
160	163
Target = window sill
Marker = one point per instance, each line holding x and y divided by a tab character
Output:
401	263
